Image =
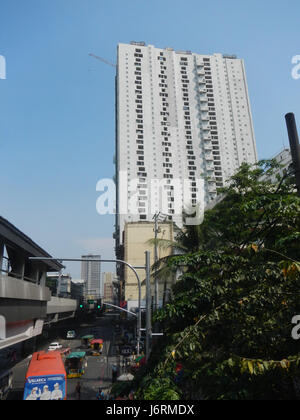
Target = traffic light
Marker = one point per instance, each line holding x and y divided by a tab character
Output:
81	304
99	305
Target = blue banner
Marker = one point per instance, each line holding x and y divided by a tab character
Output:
50	387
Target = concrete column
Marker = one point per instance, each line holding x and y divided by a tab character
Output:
43	278
1	254
22	267
2	328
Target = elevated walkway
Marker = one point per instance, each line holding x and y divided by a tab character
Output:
25	301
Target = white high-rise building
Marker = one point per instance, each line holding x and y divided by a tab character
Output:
180	116
91	275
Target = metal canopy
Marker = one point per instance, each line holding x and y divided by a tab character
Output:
13	237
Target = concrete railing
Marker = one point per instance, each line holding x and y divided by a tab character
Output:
12	288
59	305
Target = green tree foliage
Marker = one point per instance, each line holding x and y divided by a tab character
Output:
188	239
228	325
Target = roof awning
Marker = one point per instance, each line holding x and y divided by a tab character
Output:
13	237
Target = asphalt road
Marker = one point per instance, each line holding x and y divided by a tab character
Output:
98	372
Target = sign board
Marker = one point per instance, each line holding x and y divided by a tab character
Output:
126	351
49	387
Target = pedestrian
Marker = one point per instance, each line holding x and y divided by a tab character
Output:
100	395
114	373
78	390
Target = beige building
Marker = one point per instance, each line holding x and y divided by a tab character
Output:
136	236
108	287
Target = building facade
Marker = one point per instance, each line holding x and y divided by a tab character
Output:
108	287
284	158
91	274
77	290
136	242
183	127
60	285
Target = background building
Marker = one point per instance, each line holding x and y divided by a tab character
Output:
59	287
284	158
109	288
77	289
91	274
179	116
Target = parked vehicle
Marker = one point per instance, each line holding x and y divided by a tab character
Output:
46	377
54	346
6	378
76	364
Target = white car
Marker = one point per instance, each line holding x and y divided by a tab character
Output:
54	346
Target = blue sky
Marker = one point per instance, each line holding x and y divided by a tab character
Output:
57	127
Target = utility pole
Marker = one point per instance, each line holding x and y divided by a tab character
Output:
155	262
294	145
148	306
157	217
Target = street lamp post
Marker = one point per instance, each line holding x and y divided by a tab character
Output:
295	147
148	306
157	217
155	262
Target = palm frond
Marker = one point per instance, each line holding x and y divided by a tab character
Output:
166	244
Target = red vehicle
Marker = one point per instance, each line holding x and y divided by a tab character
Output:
97	346
46	377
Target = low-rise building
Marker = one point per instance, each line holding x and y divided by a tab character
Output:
284	158
59	285
108	287
136	242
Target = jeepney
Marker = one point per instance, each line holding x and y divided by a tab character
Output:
97	347
76	364
86	340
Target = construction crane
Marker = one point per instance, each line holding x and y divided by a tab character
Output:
102	59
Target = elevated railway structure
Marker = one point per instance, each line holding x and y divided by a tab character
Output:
26	304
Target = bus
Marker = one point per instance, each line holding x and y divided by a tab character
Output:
46	377
6	379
